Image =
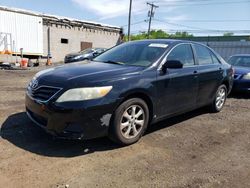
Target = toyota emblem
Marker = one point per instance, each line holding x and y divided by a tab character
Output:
34	84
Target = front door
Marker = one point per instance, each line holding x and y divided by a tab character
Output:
178	87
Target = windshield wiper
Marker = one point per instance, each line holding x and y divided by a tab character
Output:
114	62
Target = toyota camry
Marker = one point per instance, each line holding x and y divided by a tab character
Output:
127	88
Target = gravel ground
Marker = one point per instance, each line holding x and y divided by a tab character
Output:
197	149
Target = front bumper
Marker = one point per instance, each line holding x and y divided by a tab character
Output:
71	60
241	85
69	122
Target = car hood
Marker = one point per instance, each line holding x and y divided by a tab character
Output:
241	70
85	72
73	54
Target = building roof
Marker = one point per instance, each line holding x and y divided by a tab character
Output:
59	18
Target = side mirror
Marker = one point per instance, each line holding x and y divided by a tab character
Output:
171	64
95	54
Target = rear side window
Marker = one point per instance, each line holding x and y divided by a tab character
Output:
203	55
214	58
182	53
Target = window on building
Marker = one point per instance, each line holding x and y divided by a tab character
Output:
64	41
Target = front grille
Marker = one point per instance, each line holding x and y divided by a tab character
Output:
43	93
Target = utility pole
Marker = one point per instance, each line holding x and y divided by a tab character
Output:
48	40
151	15
129	19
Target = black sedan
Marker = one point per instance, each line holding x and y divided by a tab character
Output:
241	64
87	54
126	88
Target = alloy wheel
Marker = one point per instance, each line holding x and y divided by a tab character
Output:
132	121
220	98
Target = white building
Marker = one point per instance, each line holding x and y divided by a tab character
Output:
40	34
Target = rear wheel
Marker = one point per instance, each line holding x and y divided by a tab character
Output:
220	99
129	122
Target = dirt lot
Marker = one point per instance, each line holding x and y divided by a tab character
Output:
197	149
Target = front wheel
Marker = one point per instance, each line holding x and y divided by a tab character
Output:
129	122
220	99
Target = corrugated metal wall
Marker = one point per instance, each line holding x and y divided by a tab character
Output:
227	49
26	31
226	46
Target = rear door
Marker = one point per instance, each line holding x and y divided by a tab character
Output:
177	89
210	74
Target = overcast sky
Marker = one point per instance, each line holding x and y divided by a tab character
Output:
203	15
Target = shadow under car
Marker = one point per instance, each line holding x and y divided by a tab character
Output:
23	133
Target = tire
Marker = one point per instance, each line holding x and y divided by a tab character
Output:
129	122
219	99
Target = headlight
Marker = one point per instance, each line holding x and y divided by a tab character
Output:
81	94
246	77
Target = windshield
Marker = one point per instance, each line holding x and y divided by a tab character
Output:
242	61
134	53
86	51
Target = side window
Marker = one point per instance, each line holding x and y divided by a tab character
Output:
203	55
214	58
182	53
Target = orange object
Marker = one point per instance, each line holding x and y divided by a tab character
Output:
2	52
8	52
49	62
24	63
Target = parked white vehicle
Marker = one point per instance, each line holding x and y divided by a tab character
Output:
21	31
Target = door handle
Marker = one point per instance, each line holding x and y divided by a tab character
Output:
221	70
195	74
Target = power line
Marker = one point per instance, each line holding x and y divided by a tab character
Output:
207	31
185	1
175	24
177	1
169	21
135	23
198	31
151	15
195	29
202	30
214	20
201	4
